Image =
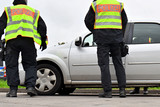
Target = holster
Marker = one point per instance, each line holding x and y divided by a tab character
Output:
124	49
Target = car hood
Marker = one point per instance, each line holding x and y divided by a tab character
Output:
58	50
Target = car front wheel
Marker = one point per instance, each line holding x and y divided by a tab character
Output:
49	79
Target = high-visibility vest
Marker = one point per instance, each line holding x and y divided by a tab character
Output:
22	20
107	14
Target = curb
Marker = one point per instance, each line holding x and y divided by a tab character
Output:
21	90
87	91
7	89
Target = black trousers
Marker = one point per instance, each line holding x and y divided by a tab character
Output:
26	47
103	51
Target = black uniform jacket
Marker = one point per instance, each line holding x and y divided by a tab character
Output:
104	36
42	28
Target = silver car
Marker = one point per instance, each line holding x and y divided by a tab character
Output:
63	68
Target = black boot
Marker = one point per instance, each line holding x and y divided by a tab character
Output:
122	92
106	95
135	91
12	93
31	91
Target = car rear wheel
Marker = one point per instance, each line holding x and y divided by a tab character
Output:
49	79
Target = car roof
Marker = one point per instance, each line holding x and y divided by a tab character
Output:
144	21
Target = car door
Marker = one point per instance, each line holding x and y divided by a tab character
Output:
143	61
83	62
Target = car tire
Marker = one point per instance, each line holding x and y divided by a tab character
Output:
66	91
49	79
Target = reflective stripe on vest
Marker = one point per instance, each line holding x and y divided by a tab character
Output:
107	14
26	27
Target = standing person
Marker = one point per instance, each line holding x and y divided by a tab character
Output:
107	20
21	24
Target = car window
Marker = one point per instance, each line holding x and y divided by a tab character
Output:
88	41
146	33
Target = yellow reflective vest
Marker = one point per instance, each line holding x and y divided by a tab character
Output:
107	14
22	20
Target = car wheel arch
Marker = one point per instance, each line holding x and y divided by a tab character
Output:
50	63
64	73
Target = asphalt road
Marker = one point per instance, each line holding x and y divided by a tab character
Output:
81	98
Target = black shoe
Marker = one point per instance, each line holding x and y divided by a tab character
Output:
31	91
122	92
12	93
145	92
106	95
134	92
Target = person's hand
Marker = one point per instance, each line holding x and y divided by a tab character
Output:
43	46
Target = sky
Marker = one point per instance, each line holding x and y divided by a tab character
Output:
65	18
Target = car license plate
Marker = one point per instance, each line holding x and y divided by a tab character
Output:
1	74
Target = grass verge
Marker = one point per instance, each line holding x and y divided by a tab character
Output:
3	84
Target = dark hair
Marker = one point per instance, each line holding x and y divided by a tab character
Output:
16	2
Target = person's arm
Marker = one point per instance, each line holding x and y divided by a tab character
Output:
90	19
3	23
42	30
124	20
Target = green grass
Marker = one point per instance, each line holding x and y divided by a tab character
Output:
3	84
154	88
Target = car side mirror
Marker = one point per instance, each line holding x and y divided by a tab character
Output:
78	41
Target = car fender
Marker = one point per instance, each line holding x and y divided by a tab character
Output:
60	63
